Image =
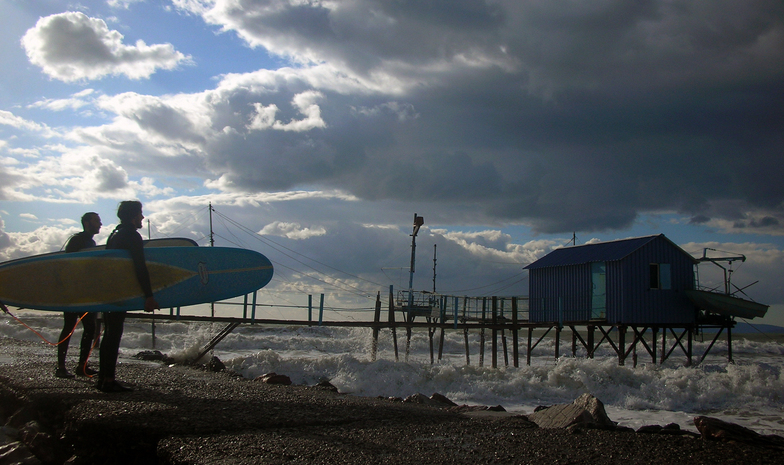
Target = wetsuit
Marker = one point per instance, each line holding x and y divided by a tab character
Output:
77	242
124	237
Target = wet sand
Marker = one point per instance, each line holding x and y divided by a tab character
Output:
181	415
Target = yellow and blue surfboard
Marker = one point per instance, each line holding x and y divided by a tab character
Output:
100	280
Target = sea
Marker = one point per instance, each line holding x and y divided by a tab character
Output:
748	392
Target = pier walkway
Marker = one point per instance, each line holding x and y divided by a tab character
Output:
503	323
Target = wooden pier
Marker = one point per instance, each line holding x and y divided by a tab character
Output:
504	318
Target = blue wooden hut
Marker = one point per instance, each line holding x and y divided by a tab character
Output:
637	281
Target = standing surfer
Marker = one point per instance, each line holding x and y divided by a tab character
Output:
126	237
91	225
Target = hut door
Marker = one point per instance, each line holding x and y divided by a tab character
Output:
599	291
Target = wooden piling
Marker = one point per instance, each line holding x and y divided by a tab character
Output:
495	332
515	348
391	321
376	327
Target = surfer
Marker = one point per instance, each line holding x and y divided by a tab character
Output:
91	225
124	236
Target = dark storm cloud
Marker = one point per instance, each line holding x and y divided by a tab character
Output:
566	116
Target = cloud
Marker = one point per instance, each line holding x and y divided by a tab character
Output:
72	47
305	103
9	119
291	230
559	116
75	102
44	239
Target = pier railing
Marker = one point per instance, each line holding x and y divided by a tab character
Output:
503	317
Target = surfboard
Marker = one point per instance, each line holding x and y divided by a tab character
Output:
162	242
105	281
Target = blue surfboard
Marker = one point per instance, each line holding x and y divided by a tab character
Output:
105	281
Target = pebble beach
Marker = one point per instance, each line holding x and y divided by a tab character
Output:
184	415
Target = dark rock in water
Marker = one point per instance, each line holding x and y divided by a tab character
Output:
497	408
274	378
586	410
719	430
215	365
153	356
327	385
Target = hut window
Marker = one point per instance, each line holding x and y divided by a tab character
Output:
660	276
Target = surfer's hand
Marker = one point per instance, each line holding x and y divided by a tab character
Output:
150	304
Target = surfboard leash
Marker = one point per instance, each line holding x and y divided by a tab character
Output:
95	343
5	310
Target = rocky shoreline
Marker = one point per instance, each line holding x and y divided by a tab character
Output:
181	415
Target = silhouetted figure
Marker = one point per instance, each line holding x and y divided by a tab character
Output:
126	237
91	225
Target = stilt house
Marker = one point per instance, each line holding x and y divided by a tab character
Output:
638	281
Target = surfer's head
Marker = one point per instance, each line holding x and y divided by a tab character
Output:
129	211
91	222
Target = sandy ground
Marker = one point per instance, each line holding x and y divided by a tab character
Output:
181	415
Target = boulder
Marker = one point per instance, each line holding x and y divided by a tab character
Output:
719	430
586	411
672	429
274	378
17	453
324	384
153	356
442	399
215	365
419	398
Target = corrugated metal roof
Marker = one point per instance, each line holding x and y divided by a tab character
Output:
600	252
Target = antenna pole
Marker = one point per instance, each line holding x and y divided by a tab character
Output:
212	244
434	267
418	222
212	235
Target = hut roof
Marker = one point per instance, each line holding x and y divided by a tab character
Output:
599	252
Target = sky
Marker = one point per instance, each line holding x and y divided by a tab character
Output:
318	129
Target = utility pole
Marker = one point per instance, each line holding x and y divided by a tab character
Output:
418	222
434	267
212	236
212	244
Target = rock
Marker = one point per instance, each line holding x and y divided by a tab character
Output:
8	434
41	443
153	356
720	430
422	399
23	416
586	410
216	366
274	378
17	453
442	399
673	429
327	385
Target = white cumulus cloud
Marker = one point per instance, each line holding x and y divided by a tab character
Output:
72	46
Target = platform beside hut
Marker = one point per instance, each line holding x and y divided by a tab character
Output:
630	295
